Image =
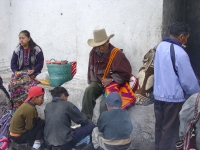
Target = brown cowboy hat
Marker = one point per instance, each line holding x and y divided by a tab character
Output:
100	37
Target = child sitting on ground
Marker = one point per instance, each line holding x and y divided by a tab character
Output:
58	116
25	125
114	126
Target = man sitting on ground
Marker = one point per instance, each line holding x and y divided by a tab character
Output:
58	115
25	125
114	126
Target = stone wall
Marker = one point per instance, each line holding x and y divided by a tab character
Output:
5	36
62	27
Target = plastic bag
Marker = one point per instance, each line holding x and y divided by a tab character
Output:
43	78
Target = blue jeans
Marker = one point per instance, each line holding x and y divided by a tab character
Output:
79	134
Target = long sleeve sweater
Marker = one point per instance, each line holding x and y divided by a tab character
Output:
58	116
17	59
23	119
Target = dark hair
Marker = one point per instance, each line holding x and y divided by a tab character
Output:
179	28
32	44
58	91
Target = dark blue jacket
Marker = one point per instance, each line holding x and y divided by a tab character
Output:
36	62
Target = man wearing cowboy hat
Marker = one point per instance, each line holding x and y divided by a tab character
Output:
120	70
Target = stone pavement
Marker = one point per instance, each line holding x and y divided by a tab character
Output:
142	116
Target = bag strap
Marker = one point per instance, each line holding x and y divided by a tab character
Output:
173	58
112	56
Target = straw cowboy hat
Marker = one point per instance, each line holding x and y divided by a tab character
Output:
100	37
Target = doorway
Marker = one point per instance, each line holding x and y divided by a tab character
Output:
185	11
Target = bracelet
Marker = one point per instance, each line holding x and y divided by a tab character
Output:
112	79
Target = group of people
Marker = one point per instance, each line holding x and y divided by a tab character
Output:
174	78
56	130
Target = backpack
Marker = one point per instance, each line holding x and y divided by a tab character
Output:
189	142
146	79
144	93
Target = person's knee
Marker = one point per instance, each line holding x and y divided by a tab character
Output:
89	90
90	127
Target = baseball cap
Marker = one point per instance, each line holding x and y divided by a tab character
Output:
114	99
34	91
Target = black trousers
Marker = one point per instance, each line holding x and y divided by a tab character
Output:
167	124
36	133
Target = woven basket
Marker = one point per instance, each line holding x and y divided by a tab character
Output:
59	74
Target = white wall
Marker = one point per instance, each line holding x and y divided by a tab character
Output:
62	27
5	34
136	25
52	24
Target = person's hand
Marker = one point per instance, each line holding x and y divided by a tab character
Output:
30	72
17	74
106	81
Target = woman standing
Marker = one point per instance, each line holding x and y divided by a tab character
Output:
27	62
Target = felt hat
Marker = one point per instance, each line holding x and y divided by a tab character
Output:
100	37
